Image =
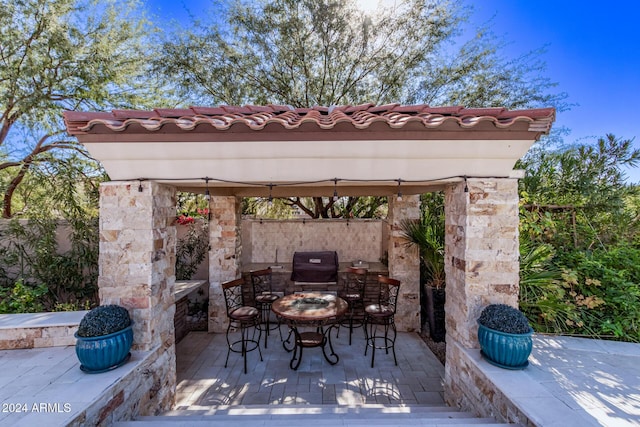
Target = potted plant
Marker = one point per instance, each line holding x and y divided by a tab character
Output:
504	335
104	338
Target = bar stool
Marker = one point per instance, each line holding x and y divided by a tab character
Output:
262	284
243	317
353	293
381	316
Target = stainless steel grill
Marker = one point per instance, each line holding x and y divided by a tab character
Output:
315	267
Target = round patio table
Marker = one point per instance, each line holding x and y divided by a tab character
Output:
319	311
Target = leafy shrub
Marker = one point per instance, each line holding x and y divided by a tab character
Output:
504	318
72	306
104	320
602	286
22	298
30	251
191	250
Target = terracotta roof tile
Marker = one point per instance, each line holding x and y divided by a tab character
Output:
173	112
452	110
409	109
280	108
495	112
132	114
382	108
226	118
533	113
354	108
208	111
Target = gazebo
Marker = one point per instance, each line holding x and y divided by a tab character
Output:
227	153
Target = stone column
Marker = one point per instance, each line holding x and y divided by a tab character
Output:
404	262
224	256
137	271
137	257
481	252
482	267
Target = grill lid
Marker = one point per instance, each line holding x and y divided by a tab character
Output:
318	267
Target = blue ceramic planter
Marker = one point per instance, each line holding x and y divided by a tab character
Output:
509	351
101	354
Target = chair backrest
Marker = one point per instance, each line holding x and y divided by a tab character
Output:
356	281
388	290
262	281
233	294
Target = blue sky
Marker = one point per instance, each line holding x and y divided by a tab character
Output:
592	53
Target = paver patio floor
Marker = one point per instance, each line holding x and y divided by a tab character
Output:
204	381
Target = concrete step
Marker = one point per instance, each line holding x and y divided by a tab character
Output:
315	415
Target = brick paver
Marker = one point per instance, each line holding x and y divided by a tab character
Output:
203	380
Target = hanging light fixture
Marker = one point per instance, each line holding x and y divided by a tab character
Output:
399	190
207	195
335	189
270	199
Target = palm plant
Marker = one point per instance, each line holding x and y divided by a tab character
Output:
427	234
543	299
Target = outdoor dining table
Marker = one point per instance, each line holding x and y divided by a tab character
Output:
320	312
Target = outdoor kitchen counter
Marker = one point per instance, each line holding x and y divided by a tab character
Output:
373	267
282	277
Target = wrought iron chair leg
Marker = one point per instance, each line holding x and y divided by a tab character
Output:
366	336
257	340
228	345
297	350
243	337
373	342
393	343
350	327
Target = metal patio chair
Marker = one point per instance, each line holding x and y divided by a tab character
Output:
244	318
381	316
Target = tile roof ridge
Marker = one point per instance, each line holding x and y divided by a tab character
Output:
256	117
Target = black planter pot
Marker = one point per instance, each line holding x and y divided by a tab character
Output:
435	299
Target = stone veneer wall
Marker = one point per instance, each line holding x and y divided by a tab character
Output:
404	262
142	391
476	393
35	330
352	239
224	257
481	266
137	271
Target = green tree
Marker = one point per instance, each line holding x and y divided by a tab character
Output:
578	234
62	54
328	52
56	196
577	196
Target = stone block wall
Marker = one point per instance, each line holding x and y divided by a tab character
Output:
482	267
351	239
137	257
404	262
224	256
481	252
137	271
35	330
471	389
144	391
